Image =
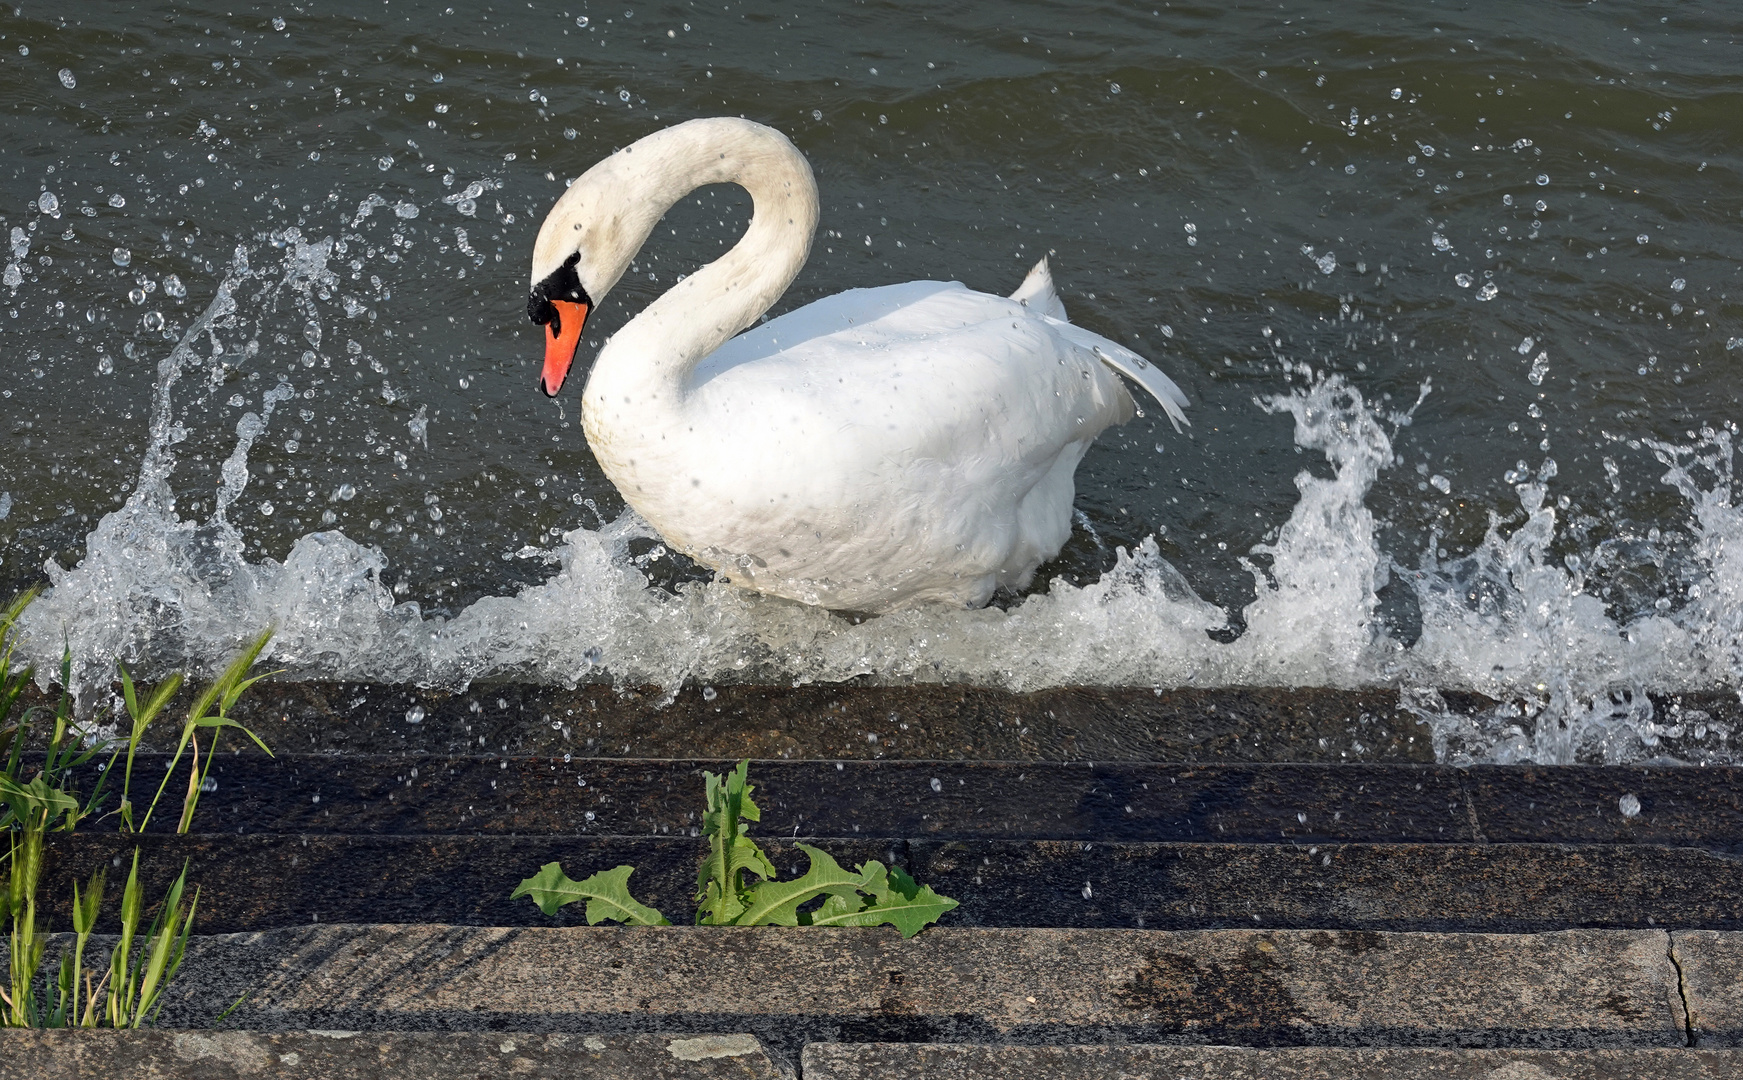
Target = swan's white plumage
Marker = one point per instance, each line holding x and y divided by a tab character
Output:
874	450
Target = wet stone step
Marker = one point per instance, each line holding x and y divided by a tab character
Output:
843	722
262	881
1101	801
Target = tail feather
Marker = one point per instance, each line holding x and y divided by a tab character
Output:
1038	294
1133	367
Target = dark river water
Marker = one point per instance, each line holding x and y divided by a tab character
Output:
1448	286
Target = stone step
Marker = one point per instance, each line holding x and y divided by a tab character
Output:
835	721
346	1055
262	881
1581	989
890	1061
1100	801
862	722
384	1055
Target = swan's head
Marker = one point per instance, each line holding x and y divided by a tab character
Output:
583	248
560	304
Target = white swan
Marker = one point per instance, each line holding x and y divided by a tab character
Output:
876	450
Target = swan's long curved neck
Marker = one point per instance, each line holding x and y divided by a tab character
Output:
650	360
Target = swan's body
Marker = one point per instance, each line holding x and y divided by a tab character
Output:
875	450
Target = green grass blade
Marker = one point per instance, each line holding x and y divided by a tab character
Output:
121	971
160	944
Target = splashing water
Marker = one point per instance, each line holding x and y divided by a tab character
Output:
1508	620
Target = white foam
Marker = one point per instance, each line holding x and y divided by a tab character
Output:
1508	620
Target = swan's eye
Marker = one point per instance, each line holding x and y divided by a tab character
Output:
561	284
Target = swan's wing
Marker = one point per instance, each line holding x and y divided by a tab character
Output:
1038	294
870	318
1131	365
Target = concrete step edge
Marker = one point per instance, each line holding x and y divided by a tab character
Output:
380	1055
1571	990
824	1061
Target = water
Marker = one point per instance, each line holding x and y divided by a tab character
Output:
1449	291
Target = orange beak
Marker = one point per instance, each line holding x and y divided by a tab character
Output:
562	338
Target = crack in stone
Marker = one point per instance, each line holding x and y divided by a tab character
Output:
1688	1015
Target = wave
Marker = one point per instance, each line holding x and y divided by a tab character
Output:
1511	620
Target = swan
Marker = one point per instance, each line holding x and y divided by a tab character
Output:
880	449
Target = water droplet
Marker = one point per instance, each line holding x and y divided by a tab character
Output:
48	204
406	210
266	508
136	294
816	114
937	785
122	256
581	20
1441	483
623	95
173	288
1642	238
105	365
1488	291
1541	206
414	715
12	276
309	358
67	79
312	333
1542	179
467	207
385	162
277	23
1463	280
1326	263
1350	170
1629	804
709	693
1397	92
1113	88
153	321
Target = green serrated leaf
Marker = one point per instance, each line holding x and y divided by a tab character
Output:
777	902
895	899
607	895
